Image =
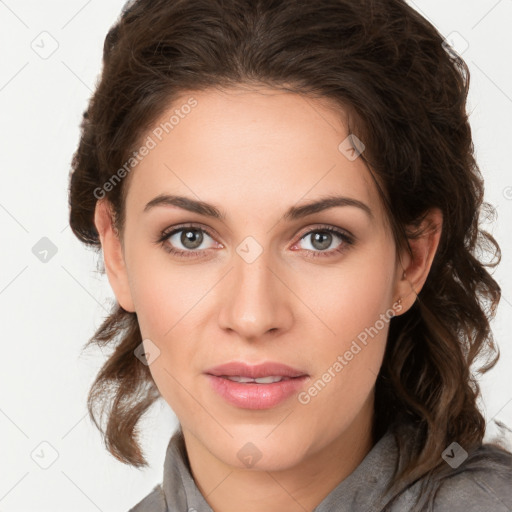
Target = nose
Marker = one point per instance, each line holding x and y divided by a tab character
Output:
256	299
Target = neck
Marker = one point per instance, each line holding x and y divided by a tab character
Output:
299	488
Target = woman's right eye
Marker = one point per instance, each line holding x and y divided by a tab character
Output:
184	241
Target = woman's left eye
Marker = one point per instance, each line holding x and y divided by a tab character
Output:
322	238
192	238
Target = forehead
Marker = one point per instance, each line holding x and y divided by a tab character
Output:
249	151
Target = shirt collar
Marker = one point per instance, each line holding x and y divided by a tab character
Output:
181	492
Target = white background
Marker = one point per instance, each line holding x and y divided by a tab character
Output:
49	310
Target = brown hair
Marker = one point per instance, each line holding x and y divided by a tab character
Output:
406	94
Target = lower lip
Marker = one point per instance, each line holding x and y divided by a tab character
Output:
256	396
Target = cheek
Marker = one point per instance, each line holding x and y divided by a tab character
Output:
350	297
168	304
165	294
354	306
163	319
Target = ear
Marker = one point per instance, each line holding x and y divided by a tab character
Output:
113	254
412	271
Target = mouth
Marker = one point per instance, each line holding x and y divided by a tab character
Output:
260	386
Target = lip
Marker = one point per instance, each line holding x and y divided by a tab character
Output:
256	371
254	395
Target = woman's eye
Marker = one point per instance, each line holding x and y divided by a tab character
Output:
322	240
185	241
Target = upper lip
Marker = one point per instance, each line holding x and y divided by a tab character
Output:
241	369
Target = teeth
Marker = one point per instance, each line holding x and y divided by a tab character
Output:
260	380
236	378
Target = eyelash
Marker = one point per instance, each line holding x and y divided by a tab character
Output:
166	234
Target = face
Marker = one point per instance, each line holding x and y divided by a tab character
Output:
311	290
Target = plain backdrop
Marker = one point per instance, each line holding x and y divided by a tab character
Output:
52	456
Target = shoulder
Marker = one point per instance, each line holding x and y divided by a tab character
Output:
482	482
153	502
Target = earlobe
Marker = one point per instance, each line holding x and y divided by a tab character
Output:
414	269
113	254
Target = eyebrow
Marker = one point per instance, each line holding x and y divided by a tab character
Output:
293	213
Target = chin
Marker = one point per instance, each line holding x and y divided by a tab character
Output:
257	450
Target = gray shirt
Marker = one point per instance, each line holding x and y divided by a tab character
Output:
483	482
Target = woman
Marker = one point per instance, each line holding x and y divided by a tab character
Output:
287	202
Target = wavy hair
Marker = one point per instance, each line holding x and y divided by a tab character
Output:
405	91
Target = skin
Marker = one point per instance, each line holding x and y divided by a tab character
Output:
254	153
